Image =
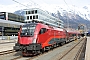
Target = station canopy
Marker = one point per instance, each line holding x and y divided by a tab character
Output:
8	23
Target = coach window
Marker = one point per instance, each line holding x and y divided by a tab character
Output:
43	30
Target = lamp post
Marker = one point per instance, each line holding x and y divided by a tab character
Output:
2	32
85	30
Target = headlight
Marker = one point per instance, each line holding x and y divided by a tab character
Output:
34	40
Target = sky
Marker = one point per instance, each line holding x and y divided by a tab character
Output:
11	5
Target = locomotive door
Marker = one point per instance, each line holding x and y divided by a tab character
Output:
42	36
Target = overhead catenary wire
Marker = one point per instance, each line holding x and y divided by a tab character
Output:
28	5
73	15
19	3
67	4
67	15
32	2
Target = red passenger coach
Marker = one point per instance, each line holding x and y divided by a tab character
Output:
36	37
73	35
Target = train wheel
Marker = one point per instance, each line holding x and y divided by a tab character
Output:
62	43
51	47
55	45
38	52
43	50
24	54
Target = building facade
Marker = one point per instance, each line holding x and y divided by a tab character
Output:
10	23
43	16
11	17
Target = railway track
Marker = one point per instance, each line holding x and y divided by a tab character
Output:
30	58
6	52
76	56
7	42
17	58
82	49
64	53
42	56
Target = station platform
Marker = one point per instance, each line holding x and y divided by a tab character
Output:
87	53
8	41
7	44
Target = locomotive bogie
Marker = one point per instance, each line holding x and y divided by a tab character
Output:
27	47
16	47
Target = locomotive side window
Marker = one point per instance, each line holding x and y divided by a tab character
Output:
43	30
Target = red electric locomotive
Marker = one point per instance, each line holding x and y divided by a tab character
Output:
34	38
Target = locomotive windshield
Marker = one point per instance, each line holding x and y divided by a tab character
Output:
28	30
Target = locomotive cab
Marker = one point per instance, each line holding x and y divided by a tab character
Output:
27	38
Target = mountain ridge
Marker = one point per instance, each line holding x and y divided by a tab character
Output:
72	18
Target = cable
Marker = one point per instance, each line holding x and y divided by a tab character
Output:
67	15
27	6
35	3
19	3
66	4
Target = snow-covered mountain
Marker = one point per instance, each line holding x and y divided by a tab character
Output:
73	14
69	10
72	10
